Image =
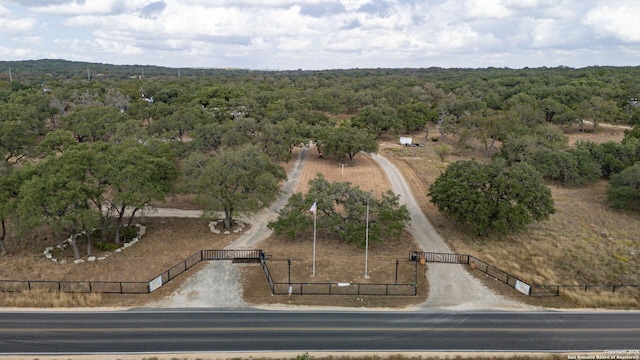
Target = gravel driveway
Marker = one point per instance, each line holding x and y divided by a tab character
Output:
217	284
451	286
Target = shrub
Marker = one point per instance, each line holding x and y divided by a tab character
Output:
129	232
105	246
570	167
624	189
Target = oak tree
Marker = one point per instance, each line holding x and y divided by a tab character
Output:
492	196
236	180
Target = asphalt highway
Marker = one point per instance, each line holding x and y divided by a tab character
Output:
205	330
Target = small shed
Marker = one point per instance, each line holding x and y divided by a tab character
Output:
406	141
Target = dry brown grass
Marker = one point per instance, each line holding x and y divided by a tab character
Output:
44	299
585	242
362	171
168	241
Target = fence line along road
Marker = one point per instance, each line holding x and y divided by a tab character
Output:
513	281
242	255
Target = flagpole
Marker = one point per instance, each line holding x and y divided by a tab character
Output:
315	212
366	247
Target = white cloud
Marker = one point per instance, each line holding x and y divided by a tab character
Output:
12	23
487	9
323	33
17	25
87	7
616	19
545	33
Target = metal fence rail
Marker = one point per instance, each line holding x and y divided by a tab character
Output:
557	290
439	257
499	274
517	283
345	289
86	287
126	287
244	254
267	273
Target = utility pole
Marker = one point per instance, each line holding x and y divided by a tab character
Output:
10	77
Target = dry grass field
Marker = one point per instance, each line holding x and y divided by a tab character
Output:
585	242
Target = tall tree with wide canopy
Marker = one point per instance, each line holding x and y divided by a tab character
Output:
416	114
136	175
342	211
597	109
22	119
9	185
58	194
492	197
237	180
378	119
348	140
96	123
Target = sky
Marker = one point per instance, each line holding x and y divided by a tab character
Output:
324	34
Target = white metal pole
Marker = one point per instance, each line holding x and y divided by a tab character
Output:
313	271
366	247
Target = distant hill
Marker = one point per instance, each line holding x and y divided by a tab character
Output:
42	70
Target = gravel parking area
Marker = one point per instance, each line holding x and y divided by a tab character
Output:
216	285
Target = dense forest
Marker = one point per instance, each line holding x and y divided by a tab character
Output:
82	142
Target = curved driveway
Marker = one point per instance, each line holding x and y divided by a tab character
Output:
449	285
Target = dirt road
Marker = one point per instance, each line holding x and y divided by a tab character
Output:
451	286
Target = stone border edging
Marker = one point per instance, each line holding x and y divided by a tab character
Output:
47	251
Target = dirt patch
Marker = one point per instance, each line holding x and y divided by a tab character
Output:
362	171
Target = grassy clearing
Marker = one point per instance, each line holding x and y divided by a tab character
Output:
585	242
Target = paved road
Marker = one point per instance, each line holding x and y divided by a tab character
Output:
193	331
